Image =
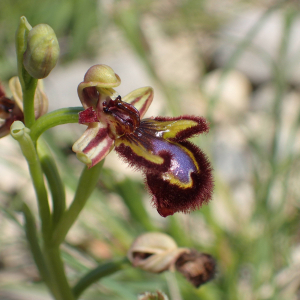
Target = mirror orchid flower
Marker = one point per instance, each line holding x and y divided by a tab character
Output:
177	173
11	109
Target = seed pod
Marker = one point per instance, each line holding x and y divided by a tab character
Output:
42	51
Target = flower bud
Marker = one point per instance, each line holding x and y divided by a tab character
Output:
154	252
153	296
196	267
42	51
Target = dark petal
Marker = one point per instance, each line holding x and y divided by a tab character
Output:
89	96
197	267
6	107
170	190
2	91
15	115
88	116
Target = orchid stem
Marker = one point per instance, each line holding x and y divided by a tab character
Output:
54	180
57	117
86	185
21	134
31	234
28	83
28	102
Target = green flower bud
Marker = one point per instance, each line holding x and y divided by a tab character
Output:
42	51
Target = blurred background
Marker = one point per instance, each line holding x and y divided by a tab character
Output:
235	62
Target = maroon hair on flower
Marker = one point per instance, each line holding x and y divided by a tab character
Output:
177	173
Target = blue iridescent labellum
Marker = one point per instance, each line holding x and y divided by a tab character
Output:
177	173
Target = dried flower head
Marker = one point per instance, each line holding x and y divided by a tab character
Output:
177	173
156	252
153	296
198	268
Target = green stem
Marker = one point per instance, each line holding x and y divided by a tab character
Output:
28	83
28	102
31	234
86	185
60	285
57	117
97	273
54	181
21	45
21	134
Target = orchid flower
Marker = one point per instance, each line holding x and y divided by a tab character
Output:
177	173
11	109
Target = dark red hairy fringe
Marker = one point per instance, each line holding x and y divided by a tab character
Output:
202	127
169	198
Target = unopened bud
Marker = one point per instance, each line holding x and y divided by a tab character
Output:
42	51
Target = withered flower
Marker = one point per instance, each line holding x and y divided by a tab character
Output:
12	109
156	252
177	173
153	296
196	267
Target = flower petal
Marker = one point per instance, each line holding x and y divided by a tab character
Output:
140	98
175	129
88	116
16	89
178	173
93	145
171	193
